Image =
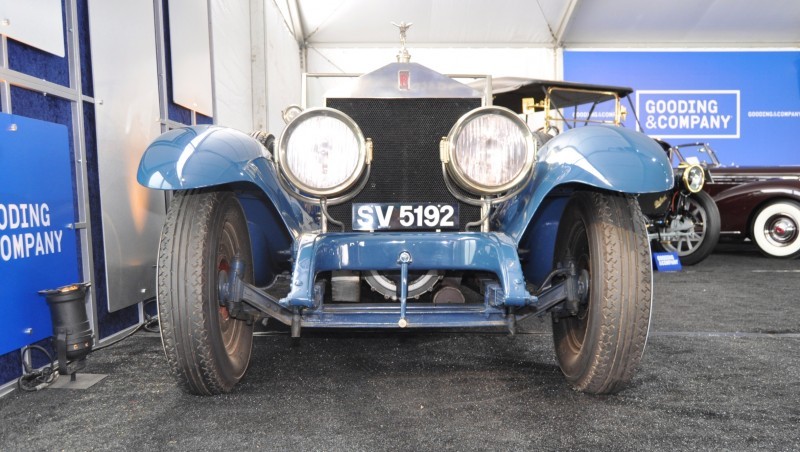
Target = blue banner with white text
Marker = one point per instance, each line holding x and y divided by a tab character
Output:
746	104
37	239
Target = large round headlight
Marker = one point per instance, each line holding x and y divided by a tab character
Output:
491	150
693	178
322	152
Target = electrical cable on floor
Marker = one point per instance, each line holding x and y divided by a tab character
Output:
34	380
147	326
150	321
150	325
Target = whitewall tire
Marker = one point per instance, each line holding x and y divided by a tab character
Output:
775	229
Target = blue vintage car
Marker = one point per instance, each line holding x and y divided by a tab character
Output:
408	201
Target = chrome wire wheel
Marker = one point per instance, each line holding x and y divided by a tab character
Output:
697	226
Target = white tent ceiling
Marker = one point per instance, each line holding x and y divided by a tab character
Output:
546	23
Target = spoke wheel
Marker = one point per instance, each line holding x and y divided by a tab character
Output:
700	232
207	350
775	229
599	347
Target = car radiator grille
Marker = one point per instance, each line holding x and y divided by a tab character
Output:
405	166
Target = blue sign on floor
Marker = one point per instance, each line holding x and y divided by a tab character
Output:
38	248
667	262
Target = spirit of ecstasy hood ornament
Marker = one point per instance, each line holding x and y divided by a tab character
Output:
403	56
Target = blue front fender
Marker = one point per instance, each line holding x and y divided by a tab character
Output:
604	157
206	156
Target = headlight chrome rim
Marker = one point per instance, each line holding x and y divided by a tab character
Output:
468	183
697	169
283	144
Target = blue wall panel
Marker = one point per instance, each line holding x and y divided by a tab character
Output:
203	119
37	245
10	366
85	48
746	104
35	105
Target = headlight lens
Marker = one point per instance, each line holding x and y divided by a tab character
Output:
322	152
693	178
490	150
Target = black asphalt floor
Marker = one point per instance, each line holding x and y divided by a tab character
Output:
721	372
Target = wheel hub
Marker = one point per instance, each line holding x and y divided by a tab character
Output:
682	225
686	231
781	230
223	293
583	286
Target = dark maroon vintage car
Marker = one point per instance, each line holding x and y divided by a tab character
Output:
757	203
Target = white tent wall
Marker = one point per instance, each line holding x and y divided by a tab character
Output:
283	67
257	68
552	23
233	82
521	62
501	38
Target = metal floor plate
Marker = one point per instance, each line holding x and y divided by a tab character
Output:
82	381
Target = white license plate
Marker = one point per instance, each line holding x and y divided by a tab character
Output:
412	215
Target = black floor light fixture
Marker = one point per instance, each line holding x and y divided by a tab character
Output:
72	332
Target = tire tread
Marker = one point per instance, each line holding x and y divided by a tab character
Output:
185	330
626	295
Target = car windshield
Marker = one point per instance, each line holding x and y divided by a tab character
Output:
556	104
695	154
571	107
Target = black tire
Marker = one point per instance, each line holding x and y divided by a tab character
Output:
703	213
599	349
776	229
207	350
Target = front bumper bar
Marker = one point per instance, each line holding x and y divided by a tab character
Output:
475	251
